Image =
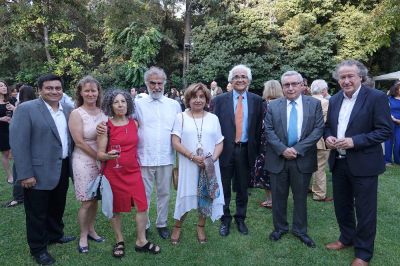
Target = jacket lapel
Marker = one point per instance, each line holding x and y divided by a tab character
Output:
230	109
48	118
306	112
250	108
283	107
362	95
334	111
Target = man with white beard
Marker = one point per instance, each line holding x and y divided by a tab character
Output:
156	115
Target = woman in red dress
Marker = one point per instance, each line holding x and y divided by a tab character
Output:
119	149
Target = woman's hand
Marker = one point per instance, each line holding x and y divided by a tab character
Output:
199	160
10	107
5	119
112	155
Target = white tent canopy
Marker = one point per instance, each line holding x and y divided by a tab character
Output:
390	76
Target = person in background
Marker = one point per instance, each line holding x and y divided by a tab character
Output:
82	125
197	137
133	92
392	145
215	90
7	106
229	87
67	100
118	149
142	93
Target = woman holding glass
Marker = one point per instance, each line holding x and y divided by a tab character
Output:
118	148
197	137
82	124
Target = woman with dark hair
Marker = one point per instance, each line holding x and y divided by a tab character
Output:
197	137
118	150
26	93
7	106
392	145
82	125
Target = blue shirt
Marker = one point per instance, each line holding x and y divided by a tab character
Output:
245	113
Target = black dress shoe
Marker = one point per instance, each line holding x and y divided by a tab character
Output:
224	229
44	259
306	240
163	232
63	240
276	235
242	228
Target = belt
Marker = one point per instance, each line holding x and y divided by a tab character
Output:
241	144
340	156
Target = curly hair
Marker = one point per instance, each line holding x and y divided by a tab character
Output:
191	91
362	69
108	100
81	84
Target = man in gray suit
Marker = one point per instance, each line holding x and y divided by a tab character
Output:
293	125
41	146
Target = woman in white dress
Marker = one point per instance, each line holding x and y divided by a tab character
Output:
197	138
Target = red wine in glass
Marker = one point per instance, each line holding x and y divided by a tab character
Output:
117	149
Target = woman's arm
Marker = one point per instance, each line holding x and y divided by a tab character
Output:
218	150
102	155
75	125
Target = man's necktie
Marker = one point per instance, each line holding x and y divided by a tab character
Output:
292	130
239	119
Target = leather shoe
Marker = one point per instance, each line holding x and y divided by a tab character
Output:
276	235
337	245
163	232
326	199
224	229
242	228
44	259
359	262
306	240
63	240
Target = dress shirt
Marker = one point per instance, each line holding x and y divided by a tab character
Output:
299	108
62	128
245	124
156	119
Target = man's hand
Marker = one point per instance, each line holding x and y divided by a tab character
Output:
290	153
331	142
344	144
101	129
29	182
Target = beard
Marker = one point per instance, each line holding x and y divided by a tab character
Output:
156	94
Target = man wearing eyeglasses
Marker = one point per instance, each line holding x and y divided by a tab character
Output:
42	145
240	115
293	126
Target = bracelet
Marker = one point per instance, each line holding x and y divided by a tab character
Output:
191	156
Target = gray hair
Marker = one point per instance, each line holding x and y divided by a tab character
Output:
318	85
272	90
292	73
244	67
154	71
108	100
362	69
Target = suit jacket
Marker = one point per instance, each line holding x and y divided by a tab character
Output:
369	125
36	144
277	137
325	105
223	108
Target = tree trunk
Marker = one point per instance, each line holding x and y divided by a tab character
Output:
187	41
46	43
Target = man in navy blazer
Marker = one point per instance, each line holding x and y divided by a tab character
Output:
358	122
239	153
41	146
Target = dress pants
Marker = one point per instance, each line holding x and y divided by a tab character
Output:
359	194
236	175
44	212
319	176
18	190
161	176
291	177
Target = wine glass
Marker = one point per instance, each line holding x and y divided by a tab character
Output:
9	113
117	149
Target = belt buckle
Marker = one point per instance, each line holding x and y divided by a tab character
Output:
340	156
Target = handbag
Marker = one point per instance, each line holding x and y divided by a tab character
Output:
175	170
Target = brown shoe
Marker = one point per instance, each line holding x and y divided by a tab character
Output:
337	245
326	199
359	262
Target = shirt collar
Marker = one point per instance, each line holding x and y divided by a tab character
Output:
150	99
354	96
60	108
297	101
236	94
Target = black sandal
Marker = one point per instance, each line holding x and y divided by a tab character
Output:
119	249
149	247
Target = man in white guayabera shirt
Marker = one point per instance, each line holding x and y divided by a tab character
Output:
156	115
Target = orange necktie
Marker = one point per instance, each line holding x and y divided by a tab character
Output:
239	119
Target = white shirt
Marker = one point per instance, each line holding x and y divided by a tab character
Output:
62	128
299	108
156	120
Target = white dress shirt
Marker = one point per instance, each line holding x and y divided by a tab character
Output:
62	128
156	120
299	108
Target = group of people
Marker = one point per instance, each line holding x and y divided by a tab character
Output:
240	140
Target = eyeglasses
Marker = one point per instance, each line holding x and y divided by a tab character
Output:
153	83
293	84
50	88
239	78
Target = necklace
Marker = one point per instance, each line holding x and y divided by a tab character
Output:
199	145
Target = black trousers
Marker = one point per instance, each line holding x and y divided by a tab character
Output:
236	175
18	190
355	196
291	177
44	212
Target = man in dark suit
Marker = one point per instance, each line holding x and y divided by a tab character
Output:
293	126
240	116
41	146
358	122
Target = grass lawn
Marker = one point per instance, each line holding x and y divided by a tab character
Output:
254	249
